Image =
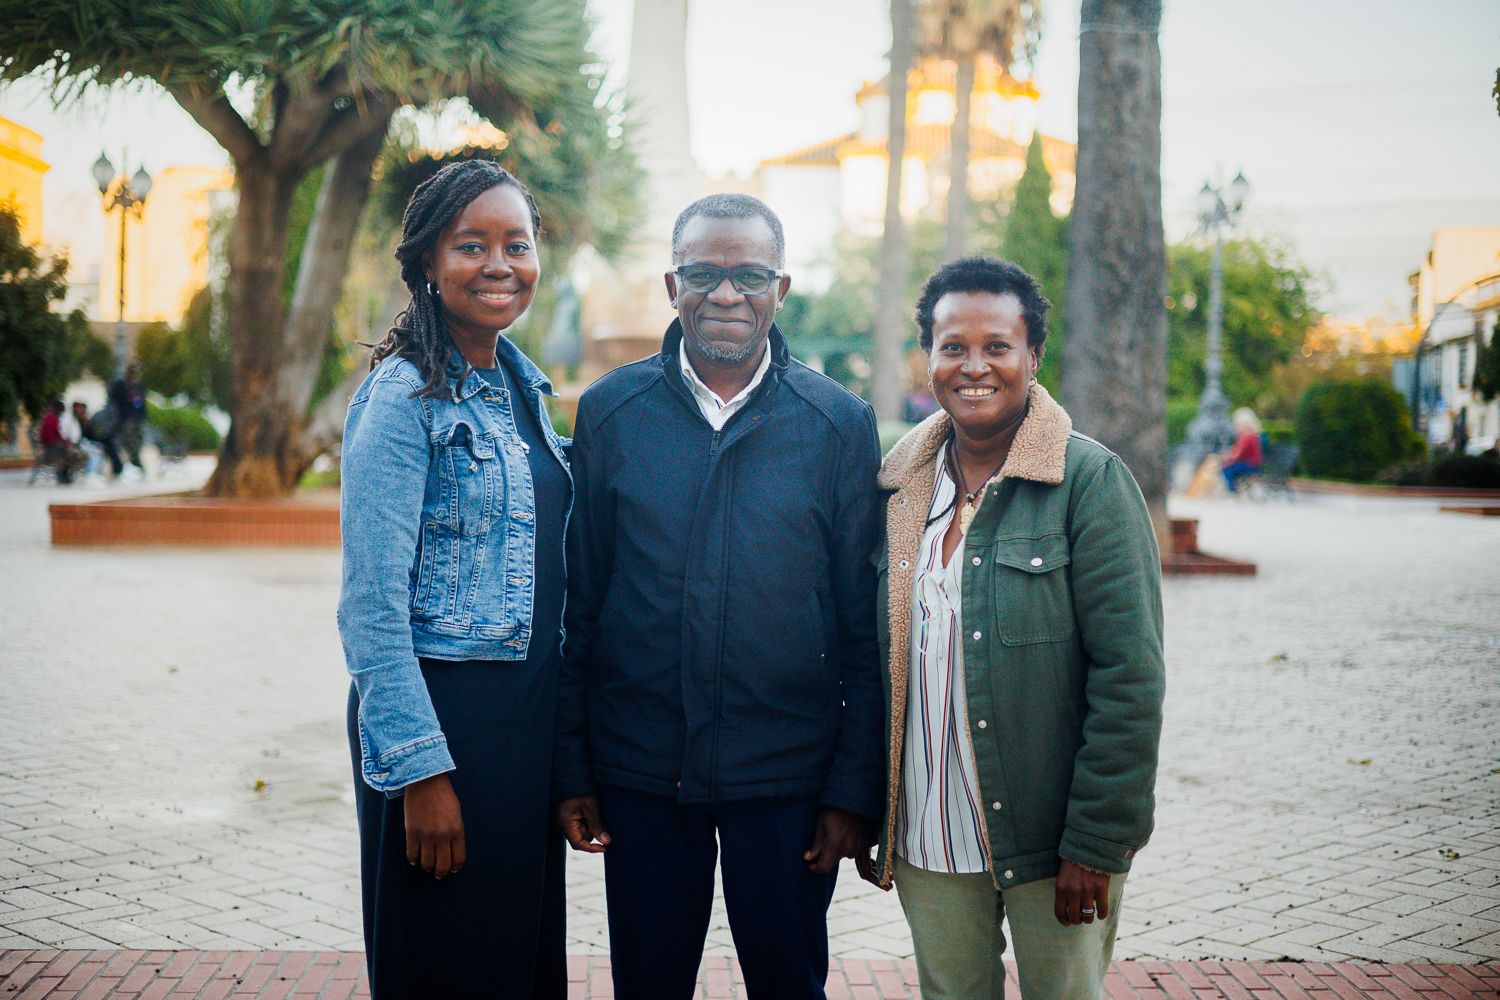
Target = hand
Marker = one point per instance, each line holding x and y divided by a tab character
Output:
1079	889
839	835
579	820
864	863
434	827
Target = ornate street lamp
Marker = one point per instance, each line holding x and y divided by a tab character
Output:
1211	430
129	195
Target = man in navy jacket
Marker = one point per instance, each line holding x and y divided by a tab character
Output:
720	678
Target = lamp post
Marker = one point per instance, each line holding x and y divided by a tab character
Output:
129	195
1211	429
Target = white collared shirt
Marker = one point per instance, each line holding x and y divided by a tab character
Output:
939	819
716	410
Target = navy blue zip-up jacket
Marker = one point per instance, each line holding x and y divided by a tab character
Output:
721	598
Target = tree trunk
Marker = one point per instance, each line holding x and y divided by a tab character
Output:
891	324
1115	371
276	352
957	240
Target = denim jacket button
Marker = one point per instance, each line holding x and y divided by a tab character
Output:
473	466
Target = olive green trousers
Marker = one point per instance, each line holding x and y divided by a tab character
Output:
955	929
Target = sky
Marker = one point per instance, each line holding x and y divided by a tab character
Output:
1361	125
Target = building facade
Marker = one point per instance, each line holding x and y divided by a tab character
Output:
838	185
1456	305
21	172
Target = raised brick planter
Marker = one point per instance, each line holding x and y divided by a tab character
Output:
197	521
334	975
1186	559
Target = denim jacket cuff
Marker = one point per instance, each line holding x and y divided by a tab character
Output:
1095	852
393	770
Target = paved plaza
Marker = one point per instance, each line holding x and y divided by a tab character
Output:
173	772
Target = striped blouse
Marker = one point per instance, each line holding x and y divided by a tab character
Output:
938	822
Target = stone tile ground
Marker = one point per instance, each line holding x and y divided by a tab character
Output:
173	772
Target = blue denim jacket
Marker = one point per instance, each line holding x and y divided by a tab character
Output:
439	535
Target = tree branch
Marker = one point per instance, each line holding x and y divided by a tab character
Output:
325	261
346	130
211	109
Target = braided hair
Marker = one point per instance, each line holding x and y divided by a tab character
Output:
418	334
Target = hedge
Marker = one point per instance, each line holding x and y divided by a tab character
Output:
184	427
1354	430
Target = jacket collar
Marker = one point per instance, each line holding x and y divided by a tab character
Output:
1038	453
516	364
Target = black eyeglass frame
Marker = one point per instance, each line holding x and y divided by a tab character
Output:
732	273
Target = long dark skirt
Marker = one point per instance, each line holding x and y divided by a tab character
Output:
496	928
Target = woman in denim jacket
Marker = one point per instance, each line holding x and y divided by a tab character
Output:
455	502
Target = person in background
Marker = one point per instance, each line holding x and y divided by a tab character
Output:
1245	457
57	451
455	501
76	430
1020	620
128	398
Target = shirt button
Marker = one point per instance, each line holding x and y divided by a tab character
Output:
901	502
976	560
977	634
1008	874
986	725
904	564
996	806
1036	560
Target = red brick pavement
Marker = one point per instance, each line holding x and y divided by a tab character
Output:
332	975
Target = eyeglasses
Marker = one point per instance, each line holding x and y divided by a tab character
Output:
746	278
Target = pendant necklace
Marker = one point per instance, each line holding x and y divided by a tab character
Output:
971	498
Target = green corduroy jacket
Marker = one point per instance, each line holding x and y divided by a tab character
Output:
1062	645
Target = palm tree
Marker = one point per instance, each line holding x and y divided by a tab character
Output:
961	31
891	326
1115	368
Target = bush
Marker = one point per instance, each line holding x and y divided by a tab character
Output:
1354	430
1473	472
1279	431
184	427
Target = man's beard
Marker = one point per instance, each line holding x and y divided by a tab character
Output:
723	355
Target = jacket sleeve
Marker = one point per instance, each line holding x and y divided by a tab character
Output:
383	479
590	550
856	781
1117	600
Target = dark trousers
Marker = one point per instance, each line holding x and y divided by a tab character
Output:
495	929
659	881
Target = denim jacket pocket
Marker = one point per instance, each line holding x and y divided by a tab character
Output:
473	478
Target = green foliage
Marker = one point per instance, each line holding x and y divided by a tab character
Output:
1268	310
184	427
1180	413
1038	241
1354	430
41	351
186	361
562	420
1487	364
1472	472
507	55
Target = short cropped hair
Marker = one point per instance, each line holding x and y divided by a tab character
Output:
729	206
985	274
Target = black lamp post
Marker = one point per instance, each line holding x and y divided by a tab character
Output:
128	195
1212	430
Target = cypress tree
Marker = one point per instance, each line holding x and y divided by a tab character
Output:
1038	241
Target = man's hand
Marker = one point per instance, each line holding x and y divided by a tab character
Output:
864	863
434	826
1082	895
839	835
579	820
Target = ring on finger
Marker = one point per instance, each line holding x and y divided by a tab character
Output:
1087	911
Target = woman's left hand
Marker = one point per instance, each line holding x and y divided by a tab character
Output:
1082	895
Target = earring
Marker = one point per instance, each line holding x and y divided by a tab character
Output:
432	289
1033	380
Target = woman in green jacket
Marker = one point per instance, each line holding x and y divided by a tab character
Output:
1020	614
